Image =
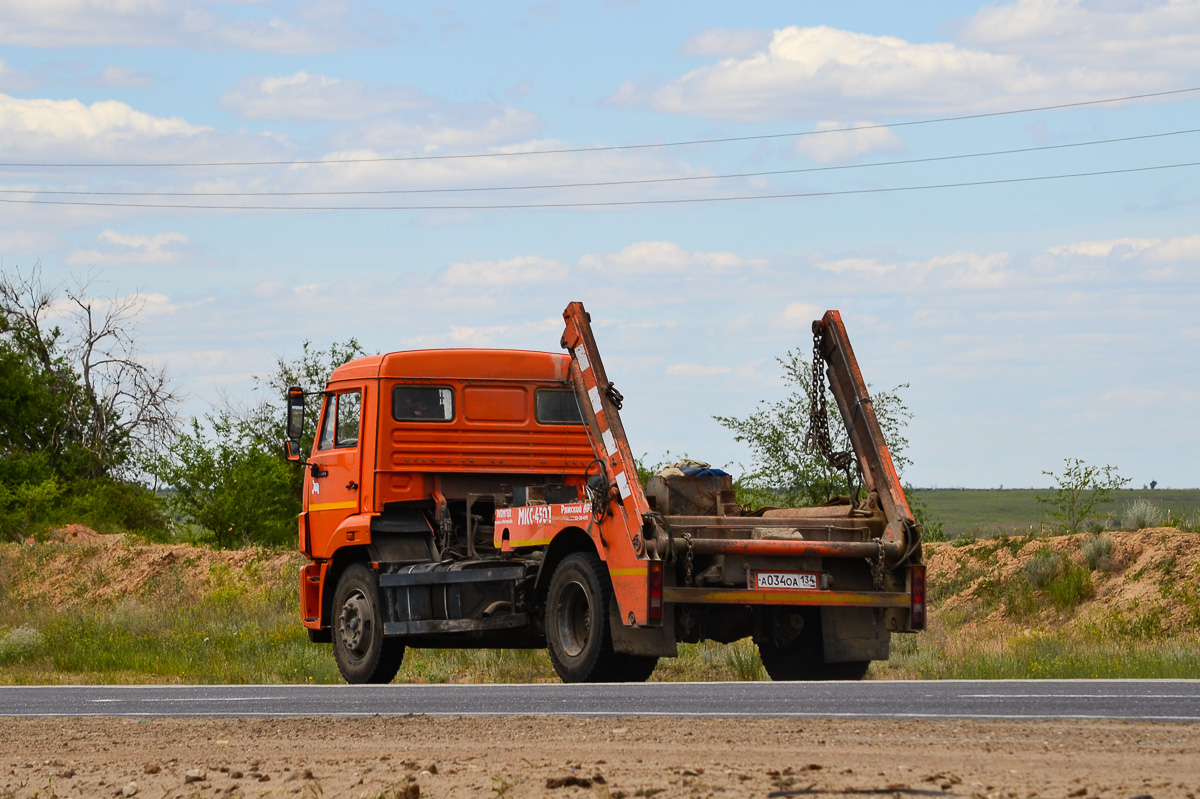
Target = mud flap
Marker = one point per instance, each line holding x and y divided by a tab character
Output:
854	634
659	641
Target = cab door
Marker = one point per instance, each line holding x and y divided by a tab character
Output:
332	487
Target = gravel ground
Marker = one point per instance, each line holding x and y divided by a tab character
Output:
566	758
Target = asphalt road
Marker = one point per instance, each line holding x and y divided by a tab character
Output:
1142	700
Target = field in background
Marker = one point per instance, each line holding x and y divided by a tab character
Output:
977	512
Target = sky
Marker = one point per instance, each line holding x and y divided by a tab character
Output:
706	177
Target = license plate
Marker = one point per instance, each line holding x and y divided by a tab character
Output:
786	581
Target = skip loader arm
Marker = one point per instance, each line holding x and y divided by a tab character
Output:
900	537
632	541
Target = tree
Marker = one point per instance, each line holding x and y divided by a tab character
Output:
95	395
78	409
228	471
1080	488
784	470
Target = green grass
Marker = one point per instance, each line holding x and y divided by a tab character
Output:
1045	656
979	512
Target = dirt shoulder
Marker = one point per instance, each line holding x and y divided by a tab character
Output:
562	757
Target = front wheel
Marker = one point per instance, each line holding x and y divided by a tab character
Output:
363	655
577	634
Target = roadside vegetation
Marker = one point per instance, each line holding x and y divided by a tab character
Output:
113	610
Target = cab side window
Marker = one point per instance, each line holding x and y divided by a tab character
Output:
348	416
556	406
339	423
422	404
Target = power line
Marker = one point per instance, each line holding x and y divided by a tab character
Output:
607	148
594	184
602	204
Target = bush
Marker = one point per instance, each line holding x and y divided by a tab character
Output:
1043	567
19	644
1097	551
232	483
1142	513
1070	586
1080	488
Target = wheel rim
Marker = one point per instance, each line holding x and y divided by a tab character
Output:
574	619
355	623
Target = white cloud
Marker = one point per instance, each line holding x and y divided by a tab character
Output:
859	139
968	270
665	257
799	315
870	266
1180	249
42	124
271	26
725	43
1043	51
1133	36
310	96
118	77
1124	247
513	272
696	370
118	249
448	127
156	305
808	71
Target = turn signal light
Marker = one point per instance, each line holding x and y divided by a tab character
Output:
917	580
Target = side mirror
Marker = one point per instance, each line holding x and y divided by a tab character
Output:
291	449
295	414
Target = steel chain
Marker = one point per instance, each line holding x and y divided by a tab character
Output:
818	414
877	566
687	559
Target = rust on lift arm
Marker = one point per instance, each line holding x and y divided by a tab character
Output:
866	438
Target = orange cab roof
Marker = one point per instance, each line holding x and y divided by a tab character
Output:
459	364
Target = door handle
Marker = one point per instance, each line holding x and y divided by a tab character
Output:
352	486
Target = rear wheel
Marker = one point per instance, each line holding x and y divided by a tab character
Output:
577	634
363	655
635	668
795	651
791	663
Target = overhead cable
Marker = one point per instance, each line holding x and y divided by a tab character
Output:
593	184
605	148
599	203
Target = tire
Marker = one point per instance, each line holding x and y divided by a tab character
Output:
577	634
363	655
793	663
635	668
803	656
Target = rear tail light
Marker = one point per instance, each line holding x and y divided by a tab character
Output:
654	581
917	580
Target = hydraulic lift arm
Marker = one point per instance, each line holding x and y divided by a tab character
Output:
600	404
866	438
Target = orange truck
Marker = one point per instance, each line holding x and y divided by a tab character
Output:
489	498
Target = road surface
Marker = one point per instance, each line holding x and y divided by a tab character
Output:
1128	700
